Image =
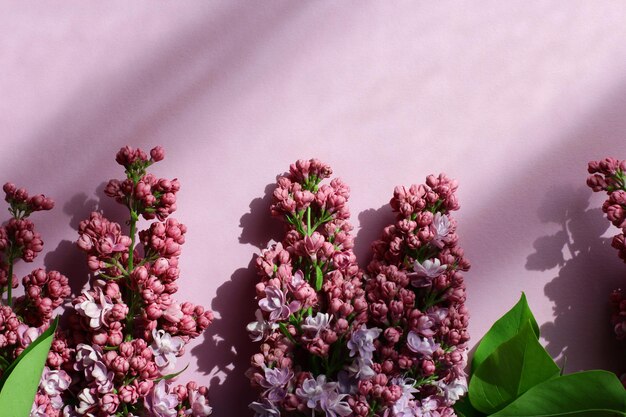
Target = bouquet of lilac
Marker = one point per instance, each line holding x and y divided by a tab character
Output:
338	343
311	322
415	293
25	318
609	175
127	331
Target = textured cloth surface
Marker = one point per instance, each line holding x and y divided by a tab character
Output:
511	98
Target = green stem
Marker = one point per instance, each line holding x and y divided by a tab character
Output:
133	294
308	221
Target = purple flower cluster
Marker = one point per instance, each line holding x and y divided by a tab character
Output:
336	342
416	295
312	308
25	318
127	330
609	175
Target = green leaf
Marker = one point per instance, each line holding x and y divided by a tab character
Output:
20	381
463	408
505	328
174	375
512	369
583	394
319	278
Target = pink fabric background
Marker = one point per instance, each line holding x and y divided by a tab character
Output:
511	98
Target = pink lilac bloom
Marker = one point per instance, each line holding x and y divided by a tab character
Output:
260	328
334	404
126	329
311	299
275	303
313	326
422	345
162	403
165	349
23	319
609	175
312	389
275	382
416	295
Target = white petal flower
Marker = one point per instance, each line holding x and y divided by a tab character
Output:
426	271
166	348
441	228
259	328
314	325
422	345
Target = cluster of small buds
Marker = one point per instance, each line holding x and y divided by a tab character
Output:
127	329
299	190
105	244
152	197
9	324
315	348
181	400
19	239
416	294
43	293
21	205
23	319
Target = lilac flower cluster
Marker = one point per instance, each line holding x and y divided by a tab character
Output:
312	309
25	318
338	343
609	175
416	295
127	330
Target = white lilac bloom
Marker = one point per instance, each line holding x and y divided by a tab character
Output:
87	402
425	325
297	280
441	228
259	328
38	411
454	390
165	349
26	335
362	342
102	376
438	314
94	308
275	303
423	345
333	405
275	381
428	408
426	271
54	382
264	409
86	356
199	405
160	402
69	411
314	325
312	390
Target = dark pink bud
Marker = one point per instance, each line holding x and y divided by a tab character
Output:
157	153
